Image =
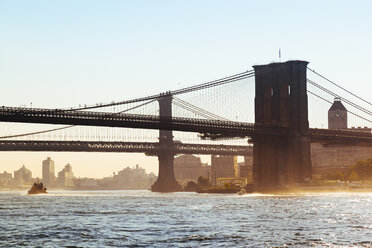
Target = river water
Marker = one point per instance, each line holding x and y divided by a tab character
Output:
145	219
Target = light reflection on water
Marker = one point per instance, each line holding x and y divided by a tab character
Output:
145	219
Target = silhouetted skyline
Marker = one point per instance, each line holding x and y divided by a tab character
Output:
62	54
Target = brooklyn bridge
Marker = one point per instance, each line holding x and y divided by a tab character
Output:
274	125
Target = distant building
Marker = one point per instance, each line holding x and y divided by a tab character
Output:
238	181
189	168
245	168
66	177
337	156
86	183
49	178
6	178
133	178
223	167
337	115
23	176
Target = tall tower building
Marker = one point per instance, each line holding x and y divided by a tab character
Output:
49	177
337	115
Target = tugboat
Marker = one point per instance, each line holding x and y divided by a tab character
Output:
37	188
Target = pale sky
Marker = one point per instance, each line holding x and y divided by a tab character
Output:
66	53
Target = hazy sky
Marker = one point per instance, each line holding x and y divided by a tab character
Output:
66	53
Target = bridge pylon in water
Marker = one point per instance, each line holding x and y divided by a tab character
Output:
281	158
166	181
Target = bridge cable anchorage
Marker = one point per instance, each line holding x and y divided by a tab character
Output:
359	116
194	109
70	126
210	84
338	96
342	88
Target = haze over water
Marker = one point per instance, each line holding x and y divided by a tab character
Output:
145	219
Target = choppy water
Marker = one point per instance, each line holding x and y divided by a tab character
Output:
145	219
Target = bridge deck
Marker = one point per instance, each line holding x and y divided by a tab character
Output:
223	128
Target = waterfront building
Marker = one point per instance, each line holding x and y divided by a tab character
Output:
86	183
337	157
49	177
189	168
5	178
223	167
235	182
337	115
245	168
133	178
23	176
66	177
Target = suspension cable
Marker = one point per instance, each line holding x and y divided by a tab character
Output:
193	108
33	133
332	103
339	86
135	107
210	84
61	128
343	99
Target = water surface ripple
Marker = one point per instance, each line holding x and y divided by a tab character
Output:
145	219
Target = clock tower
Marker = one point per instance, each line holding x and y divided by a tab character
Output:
337	115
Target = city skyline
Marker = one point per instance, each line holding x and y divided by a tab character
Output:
63	168
81	170
66	54
127	178
185	123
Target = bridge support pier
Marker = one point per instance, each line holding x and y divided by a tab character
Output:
166	180
281	158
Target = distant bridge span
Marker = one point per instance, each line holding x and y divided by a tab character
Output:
135	147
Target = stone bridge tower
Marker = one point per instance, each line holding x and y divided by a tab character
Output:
282	160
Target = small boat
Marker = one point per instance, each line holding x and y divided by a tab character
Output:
242	192
37	188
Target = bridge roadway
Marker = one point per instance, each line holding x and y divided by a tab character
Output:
221	128
91	118
135	147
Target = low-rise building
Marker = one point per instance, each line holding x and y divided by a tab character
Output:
223	167
190	168
234	182
86	183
